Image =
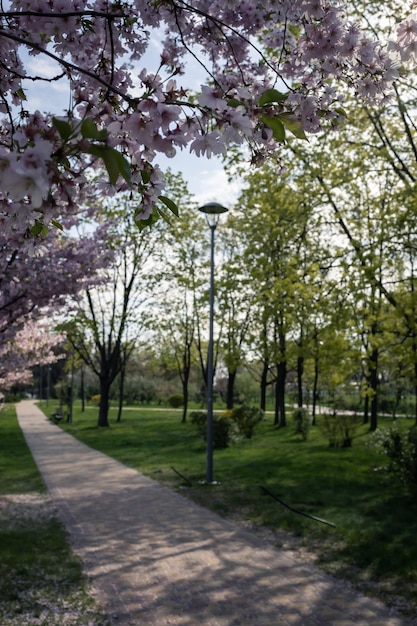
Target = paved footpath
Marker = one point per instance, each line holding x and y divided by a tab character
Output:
155	558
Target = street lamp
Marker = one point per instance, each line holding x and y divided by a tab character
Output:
212	211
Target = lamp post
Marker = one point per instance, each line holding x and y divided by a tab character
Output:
212	211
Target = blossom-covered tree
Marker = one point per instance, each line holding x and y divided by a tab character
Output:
34	344
273	67
47	279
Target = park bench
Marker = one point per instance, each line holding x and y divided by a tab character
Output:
57	416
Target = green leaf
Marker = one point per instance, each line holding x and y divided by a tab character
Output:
36	229
64	128
57	225
39	229
116	164
234	102
340	111
170	204
146	176
142	224
124	166
272	95
294	125
89	130
275	125
21	94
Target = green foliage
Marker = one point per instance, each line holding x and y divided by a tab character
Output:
339	429
302	422
11	397
176	400
223	428
401	450
246	418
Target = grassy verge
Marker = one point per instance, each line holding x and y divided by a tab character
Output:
373	541
41	580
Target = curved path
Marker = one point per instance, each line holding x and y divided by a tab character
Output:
155	558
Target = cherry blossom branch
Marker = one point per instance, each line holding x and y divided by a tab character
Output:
219	23
69	66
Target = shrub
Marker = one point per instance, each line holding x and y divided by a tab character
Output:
246	419
401	449
199	419
222	428
12	397
340	429
301	419
176	400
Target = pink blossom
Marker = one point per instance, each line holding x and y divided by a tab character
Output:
306	46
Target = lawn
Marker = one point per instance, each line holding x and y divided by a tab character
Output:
41	580
372	541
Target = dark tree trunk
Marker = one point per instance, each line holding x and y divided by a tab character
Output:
264	384
277	405
230	389
315	389
414	348
300	372
121	392
366	408
185	380
82	390
373	383
103	411
280	414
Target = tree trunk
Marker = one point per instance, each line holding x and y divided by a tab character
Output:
277	405
281	382
366	409
82	390
103	411
373	383
264	384
414	349
185	379
300	372
280	415
315	389
230	389
121	392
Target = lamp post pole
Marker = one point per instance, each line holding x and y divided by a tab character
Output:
212	211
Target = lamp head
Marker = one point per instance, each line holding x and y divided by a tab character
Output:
213	208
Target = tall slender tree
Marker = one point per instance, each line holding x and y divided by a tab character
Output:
110	318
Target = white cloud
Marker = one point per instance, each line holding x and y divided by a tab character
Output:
42	66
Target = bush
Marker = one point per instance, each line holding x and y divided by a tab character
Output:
301	419
12	397
246	419
340	429
401	449
176	400
222	428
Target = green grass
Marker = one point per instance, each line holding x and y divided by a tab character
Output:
375	517
41	580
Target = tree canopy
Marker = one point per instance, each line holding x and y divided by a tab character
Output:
272	68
